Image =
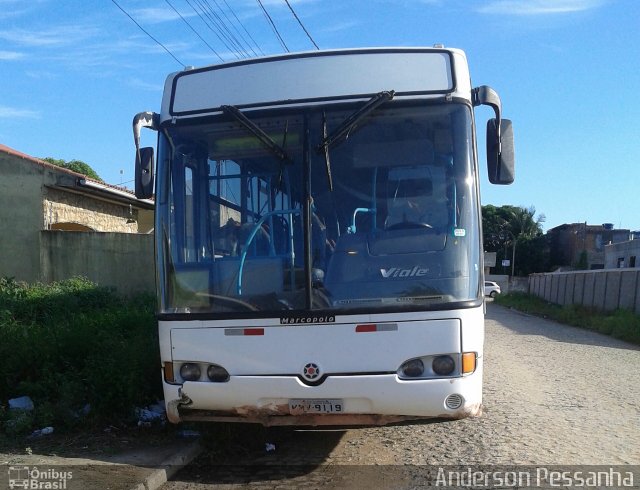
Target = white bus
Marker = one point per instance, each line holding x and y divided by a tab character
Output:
318	237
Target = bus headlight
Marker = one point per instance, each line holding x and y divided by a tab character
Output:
443	365
435	366
413	368
217	374
190	371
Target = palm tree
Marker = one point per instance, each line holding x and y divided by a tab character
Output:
521	222
519	228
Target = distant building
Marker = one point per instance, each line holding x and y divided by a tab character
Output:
622	255
579	243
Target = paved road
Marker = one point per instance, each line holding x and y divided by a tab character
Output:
554	395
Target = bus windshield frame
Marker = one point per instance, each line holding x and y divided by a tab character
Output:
386	220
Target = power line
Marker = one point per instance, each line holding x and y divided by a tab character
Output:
244	28
224	30
273	26
244	40
208	21
301	24
194	31
143	30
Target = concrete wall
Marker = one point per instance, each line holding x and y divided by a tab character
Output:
607	289
120	260
509	284
21	218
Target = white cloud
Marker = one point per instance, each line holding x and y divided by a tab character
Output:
41	75
144	85
280	3
339	26
10	9
155	15
13	113
538	7
10	55
55	36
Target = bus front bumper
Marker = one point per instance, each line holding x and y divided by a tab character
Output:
365	400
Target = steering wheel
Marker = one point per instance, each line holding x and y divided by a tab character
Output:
408	225
233	302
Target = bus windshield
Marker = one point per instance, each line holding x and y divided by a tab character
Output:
386	219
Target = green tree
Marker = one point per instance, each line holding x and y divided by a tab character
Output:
76	166
507	225
523	223
583	262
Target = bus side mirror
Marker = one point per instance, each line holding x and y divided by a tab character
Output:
500	152
144	173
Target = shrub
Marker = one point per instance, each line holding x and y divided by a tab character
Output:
71	344
621	324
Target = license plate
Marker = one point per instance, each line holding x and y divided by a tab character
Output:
316	406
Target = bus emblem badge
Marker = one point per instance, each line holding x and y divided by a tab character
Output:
311	371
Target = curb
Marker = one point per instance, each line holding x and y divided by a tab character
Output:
169	467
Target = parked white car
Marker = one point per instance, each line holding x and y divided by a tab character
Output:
491	289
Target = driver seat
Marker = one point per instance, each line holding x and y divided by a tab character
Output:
410	201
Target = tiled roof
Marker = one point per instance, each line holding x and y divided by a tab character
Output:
36	161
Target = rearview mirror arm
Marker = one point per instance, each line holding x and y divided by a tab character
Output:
144	120
485	95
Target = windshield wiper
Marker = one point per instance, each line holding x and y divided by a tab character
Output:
326	150
254	129
352	121
348	125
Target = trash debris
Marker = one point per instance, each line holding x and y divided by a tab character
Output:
147	417
158	407
21	403
269	447
153	414
189	433
41	432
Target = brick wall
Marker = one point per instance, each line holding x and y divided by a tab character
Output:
66	207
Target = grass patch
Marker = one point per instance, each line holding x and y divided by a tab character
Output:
621	324
82	353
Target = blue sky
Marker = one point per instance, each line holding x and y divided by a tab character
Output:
74	72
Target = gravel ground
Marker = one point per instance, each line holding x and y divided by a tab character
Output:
553	395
